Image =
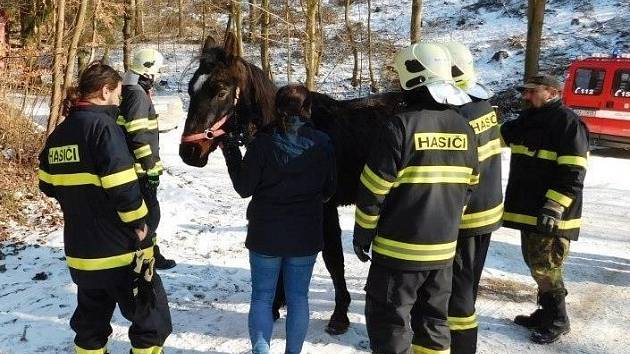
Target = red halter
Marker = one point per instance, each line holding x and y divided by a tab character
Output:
215	130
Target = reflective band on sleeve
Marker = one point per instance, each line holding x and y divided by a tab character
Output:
418	349
414	252
119	178
522	150
133	215
69	179
559	198
152	350
572	160
488	150
90	264
374	183
462	323
474	179
142	151
364	220
483	218
434	174
547	155
152	124
532	220
159	167
133	125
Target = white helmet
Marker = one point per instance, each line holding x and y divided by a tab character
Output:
463	71
429	64
147	62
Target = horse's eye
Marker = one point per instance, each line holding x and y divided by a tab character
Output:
222	94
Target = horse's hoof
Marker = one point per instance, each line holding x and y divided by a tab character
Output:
338	324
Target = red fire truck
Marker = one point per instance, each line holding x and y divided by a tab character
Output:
598	89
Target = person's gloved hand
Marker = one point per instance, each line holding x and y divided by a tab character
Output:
361	248
549	217
153	179
142	275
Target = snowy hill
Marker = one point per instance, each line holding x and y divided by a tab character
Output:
203	225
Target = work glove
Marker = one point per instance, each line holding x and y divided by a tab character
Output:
549	217
361	248
153	179
229	146
142	279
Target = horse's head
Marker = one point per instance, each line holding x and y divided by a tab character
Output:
215	90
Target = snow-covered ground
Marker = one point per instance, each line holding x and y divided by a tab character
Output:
203	228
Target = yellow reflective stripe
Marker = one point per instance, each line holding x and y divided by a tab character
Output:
521	150
119	178
152	124
159	167
434	174
144	150
152	350
559	198
89	264
483	218
79	350
474	179
414	252
547	155
532	220
573	160
134	125
374	183
69	179
418	349
462	323
364	220
129	216
488	150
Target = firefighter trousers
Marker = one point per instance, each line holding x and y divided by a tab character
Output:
91	320
390	297
470	257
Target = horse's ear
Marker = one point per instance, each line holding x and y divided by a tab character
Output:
208	43
230	45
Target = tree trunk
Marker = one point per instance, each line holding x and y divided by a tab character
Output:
127	35
139	19
264	44
287	9
55	99
416	21
535	17
353	45
310	44
373	85
253	20
203	20
180	21
74	43
97	9
237	16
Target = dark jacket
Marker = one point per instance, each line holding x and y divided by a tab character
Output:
86	166
289	176
413	189
485	210
549	155
140	124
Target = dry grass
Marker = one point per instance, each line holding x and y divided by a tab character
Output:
506	289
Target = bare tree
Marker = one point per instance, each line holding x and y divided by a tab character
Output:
287	9
264	35
237	16
127	34
416	21
310	44
139	18
55	99
373	85
97	10
180	18
253	19
353	45
535	17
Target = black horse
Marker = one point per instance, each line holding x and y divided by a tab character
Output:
230	95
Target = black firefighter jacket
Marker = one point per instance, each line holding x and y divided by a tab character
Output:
485	209
140	123
414	187
289	176
86	166
549	159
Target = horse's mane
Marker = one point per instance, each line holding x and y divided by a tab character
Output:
263	91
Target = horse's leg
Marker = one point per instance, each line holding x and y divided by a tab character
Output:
279	300
333	257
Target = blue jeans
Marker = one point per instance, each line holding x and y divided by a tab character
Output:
297	272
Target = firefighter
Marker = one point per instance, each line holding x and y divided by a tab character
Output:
140	124
87	168
543	198
485	209
412	193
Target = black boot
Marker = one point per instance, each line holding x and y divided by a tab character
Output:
559	322
539	317
160	261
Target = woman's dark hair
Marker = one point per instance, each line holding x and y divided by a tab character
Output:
292	101
92	80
